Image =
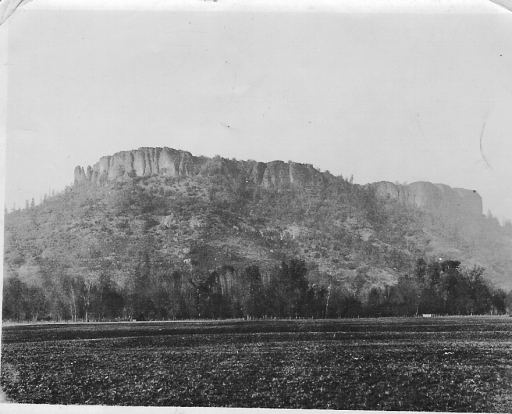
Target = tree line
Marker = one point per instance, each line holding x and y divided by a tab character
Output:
159	291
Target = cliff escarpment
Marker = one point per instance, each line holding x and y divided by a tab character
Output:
457	202
138	163
170	162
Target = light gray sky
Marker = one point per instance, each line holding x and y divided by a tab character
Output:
382	96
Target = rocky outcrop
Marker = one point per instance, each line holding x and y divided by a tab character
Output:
276	174
138	163
171	162
457	202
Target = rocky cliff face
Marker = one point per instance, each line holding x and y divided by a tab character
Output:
171	162
458	202
138	163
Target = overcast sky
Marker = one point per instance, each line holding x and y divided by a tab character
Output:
382	96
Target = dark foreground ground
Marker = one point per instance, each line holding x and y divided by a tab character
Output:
434	364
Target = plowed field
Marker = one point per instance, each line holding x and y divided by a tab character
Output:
434	364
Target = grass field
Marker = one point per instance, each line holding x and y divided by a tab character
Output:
434	364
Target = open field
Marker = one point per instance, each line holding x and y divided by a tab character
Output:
434	364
